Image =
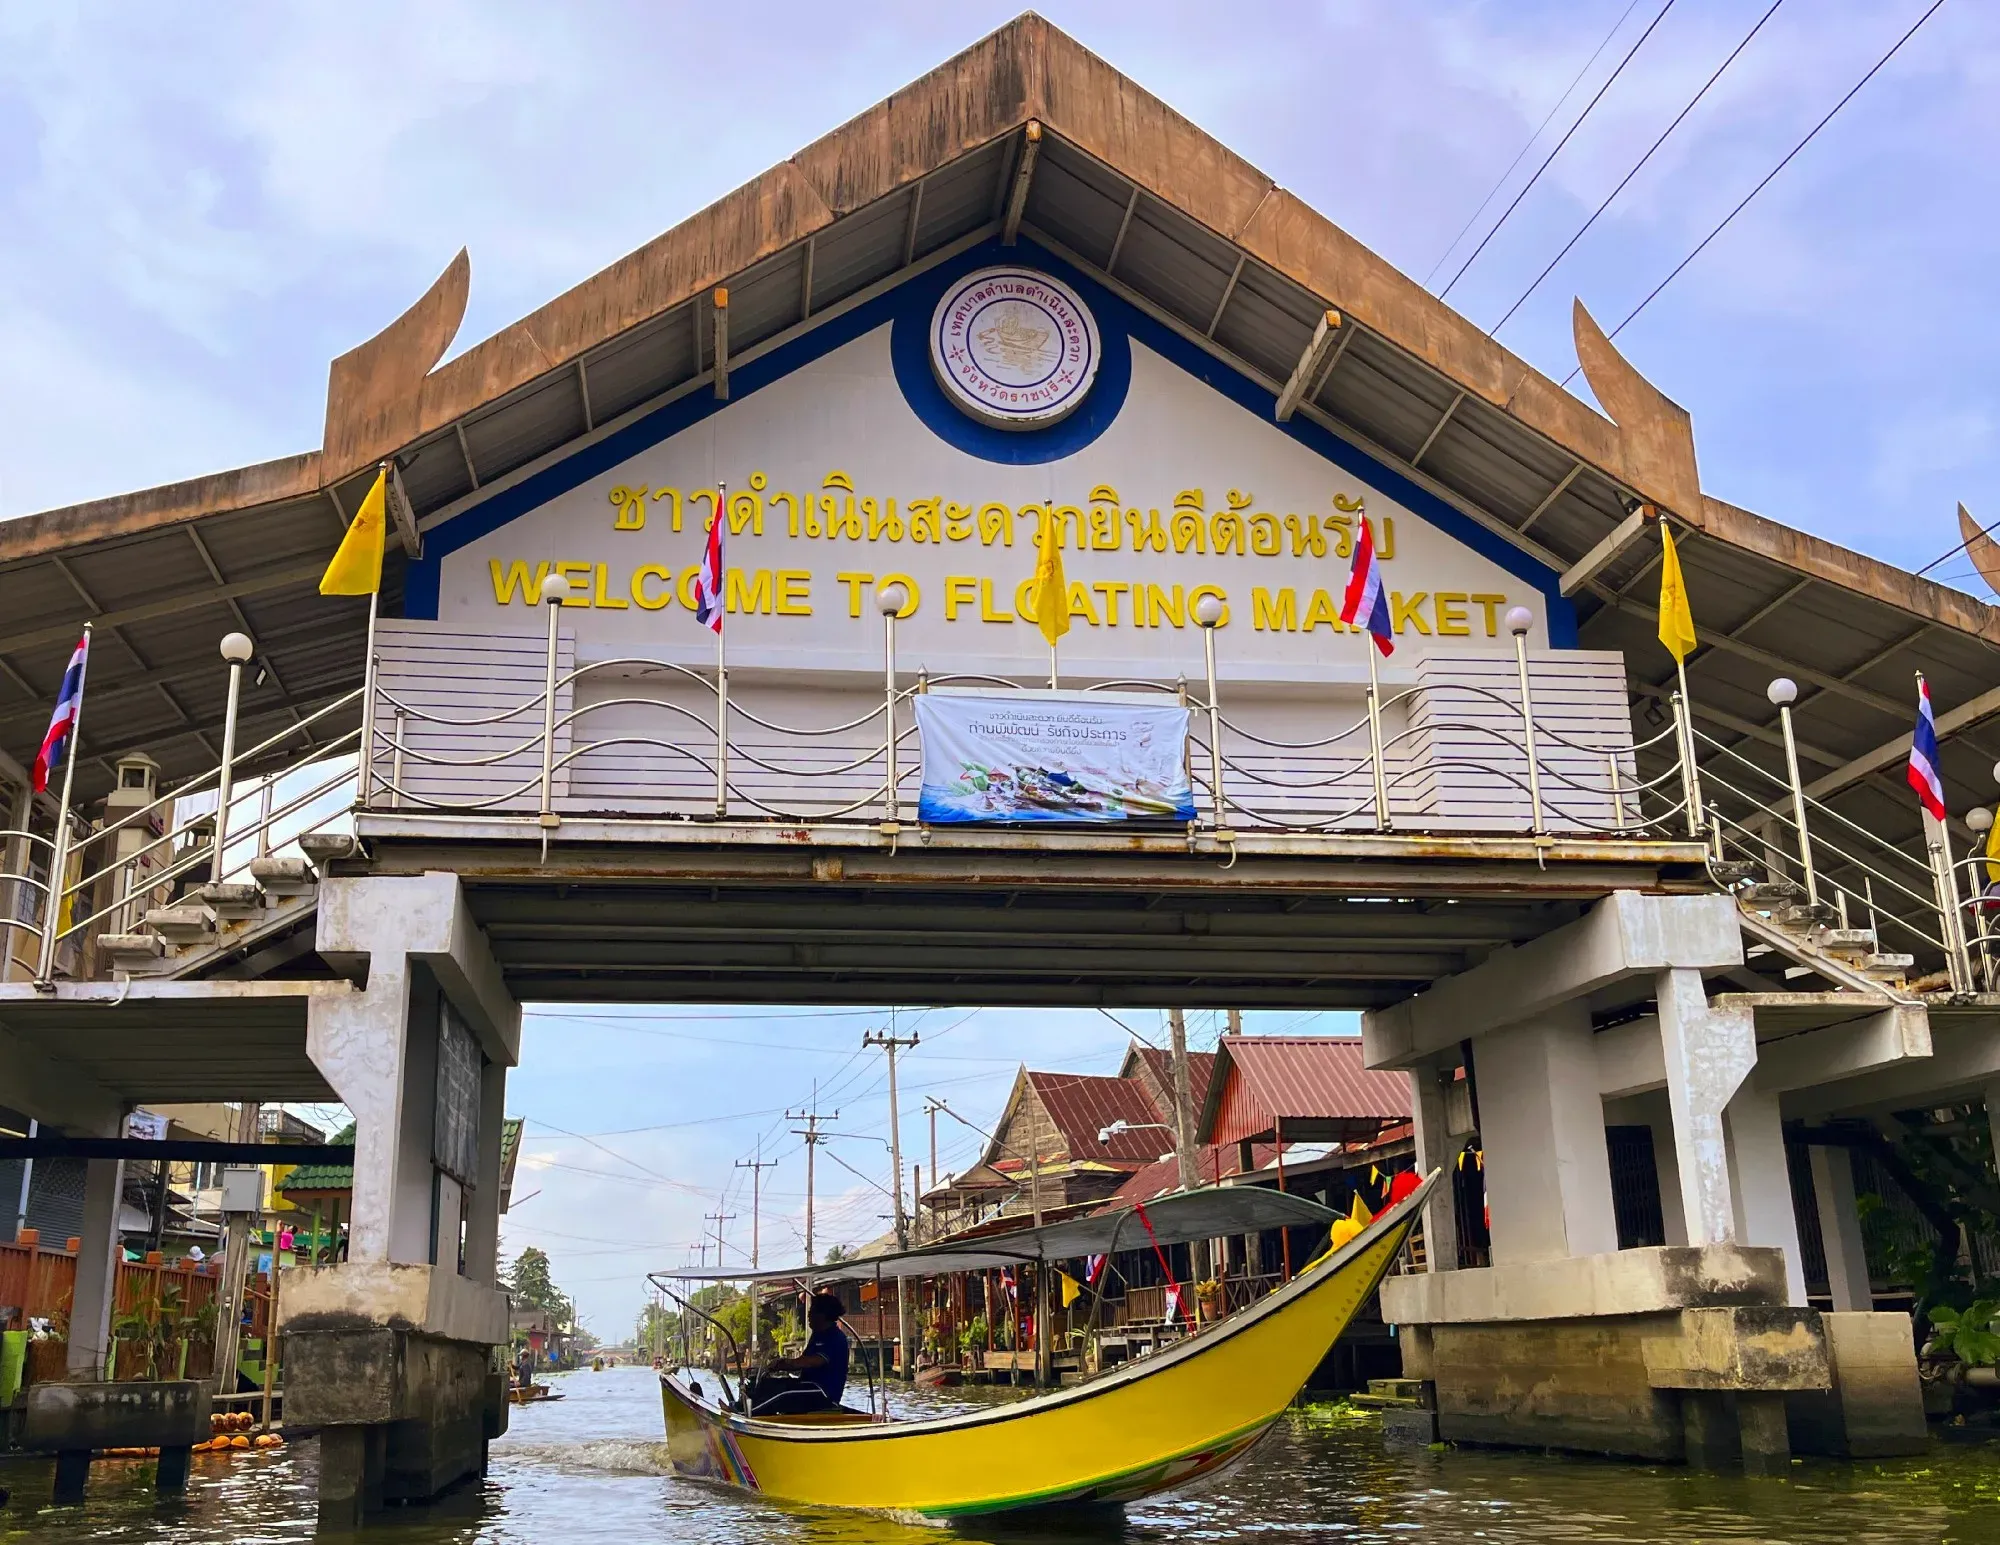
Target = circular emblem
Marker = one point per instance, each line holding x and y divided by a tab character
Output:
1014	348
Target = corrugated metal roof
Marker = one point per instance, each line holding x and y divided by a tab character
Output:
1080	1106
1315	1086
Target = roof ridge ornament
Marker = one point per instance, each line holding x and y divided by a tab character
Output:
373	391
1657	432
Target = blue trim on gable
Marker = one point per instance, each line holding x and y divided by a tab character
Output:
908	309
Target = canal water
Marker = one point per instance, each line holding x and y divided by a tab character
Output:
588	1468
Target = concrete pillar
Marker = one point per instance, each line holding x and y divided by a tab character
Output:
1708	1054
1437	1149
97	1259
1548	1173
1760	1182
1840	1229
482	1217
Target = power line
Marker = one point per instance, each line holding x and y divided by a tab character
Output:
1521	154
1637	166
1764	181
1530	183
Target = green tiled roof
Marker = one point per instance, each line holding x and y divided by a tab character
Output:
323	1177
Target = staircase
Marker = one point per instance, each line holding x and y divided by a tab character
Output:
220	927
1779	920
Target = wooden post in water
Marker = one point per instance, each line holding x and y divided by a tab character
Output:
270	1339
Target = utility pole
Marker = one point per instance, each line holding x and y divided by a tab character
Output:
235	1267
756	1166
718	1218
813	1138
1235	1022
1041	1275
889	1041
1184	1122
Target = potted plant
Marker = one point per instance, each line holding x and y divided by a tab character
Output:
1214	1302
48	1349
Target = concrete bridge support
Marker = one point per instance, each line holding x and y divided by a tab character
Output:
1701	1348
390	1351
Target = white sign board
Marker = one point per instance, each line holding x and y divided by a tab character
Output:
1050	757
836	485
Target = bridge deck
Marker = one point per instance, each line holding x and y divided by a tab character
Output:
764	913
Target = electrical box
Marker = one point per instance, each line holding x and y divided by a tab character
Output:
242	1190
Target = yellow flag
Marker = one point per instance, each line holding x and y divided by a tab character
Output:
357	567
1051	598
1360	1213
1993	849
1676	621
1072	1289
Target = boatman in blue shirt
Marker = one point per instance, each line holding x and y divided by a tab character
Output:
816	1378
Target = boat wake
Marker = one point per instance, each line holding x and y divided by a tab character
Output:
600	1456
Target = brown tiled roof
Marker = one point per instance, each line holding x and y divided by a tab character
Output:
1315	1085
1081	1105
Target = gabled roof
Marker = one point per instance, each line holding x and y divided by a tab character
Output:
1025	134
1154	1066
1081	1106
1311	1088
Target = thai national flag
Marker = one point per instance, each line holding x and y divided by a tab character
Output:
1366	602
708	580
1093	1264
62	723
1923	756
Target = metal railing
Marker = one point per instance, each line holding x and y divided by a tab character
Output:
1846	875
202	831
1399	765
706	753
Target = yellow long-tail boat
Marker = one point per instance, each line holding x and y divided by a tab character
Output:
1152	1424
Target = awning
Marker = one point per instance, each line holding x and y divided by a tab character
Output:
1185	1216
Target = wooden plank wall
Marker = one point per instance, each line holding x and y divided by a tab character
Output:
1466	732
448	677
1455	753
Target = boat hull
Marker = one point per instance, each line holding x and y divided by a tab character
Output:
1180	1414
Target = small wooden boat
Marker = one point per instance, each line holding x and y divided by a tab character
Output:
1150	1425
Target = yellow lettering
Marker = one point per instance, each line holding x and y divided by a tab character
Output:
1450	607
1111	590
751	595
686	586
517	579
1402	611
631	503
1274	613
854	582
610	603
1321	609
577	575
1492	603
959	590
1219	593
1159	604
986	610
794	596
1079	604
652	603
1024	598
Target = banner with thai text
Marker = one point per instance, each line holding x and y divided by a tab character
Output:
1050	758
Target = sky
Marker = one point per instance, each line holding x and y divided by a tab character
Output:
203	205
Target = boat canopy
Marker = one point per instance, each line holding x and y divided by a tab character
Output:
1209	1213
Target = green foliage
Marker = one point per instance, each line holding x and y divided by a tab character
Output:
157	1327
972	1335
533	1286
838	1254
1967	1334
